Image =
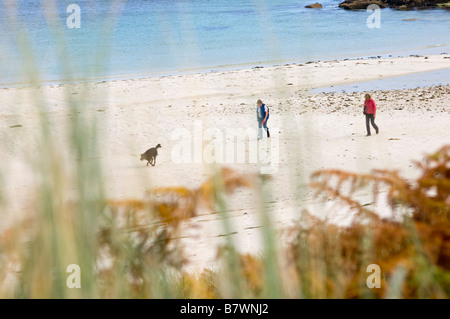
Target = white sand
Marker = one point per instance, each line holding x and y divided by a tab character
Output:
313	131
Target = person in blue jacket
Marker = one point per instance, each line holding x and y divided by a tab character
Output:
262	113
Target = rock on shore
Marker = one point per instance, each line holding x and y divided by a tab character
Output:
314	5
396	4
361	4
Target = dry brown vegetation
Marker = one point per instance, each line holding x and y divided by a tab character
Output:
413	252
137	254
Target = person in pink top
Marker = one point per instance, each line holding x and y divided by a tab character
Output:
370	111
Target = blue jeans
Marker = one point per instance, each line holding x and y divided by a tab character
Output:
260	128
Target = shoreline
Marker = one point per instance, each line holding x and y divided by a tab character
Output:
420	52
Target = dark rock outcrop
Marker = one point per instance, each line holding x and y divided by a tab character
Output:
314	5
409	4
396	4
444	5
360	4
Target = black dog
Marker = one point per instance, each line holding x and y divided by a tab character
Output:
150	155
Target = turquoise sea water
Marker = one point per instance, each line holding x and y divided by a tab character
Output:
139	38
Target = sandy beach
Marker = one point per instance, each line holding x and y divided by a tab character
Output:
312	131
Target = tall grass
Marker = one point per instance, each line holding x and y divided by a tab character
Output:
129	248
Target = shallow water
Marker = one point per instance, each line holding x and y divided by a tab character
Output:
410	81
155	37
